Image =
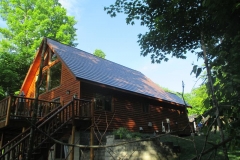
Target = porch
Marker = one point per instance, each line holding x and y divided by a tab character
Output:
54	120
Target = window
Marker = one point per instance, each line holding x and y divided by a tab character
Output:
56	99
145	107
51	77
43	87
54	76
61	151
103	102
45	60
53	56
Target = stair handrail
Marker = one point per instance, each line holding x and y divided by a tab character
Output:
23	134
62	108
26	134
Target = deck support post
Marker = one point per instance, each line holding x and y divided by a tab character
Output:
73	130
92	131
1	143
8	110
72	142
23	129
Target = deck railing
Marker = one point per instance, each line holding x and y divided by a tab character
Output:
4	105
16	107
50	125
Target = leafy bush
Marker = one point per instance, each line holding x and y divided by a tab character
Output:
124	133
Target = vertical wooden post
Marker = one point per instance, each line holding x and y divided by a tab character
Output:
8	110
73	132
1	143
23	129
72	142
92	131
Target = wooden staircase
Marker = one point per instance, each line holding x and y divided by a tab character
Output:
49	128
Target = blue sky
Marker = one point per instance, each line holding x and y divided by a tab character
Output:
97	30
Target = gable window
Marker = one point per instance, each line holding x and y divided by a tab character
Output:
145	107
103	102
43	87
53	56
51	77
54	76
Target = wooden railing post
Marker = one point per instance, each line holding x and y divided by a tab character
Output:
8	110
1	143
73	131
92	131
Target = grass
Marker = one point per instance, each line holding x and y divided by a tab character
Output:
188	150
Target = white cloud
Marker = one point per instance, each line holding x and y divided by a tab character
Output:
73	7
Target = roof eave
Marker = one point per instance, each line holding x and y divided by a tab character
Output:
130	92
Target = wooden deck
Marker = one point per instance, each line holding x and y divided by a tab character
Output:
18	108
54	121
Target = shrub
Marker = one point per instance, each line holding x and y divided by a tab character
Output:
124	133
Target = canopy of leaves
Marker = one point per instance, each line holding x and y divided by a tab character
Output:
178	26
198	99
99	53
27	22
174	26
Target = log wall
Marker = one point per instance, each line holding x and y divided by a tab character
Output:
128	111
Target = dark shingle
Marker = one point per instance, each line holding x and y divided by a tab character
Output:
89	67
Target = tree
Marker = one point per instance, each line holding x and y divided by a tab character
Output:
176	27
99	53
198	99
9	68
27	22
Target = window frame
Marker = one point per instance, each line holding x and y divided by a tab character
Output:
48	64
49	86
103	99
45	73
145	107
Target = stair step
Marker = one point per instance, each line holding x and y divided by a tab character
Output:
48	125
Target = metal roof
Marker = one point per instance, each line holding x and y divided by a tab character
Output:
92	68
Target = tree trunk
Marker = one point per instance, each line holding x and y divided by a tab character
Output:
212	92
34	115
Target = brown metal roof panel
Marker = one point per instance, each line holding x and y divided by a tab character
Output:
89	67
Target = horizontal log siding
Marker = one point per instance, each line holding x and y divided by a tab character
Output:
68	82
128	111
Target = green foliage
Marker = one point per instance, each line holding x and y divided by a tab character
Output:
174	26
188	151
178	26
99	53
27	22
198	99
2	94
124	133
9	72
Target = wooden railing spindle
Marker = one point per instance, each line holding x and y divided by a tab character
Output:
49	124
8	110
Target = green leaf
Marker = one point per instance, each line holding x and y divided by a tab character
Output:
194	69
199	70
23	34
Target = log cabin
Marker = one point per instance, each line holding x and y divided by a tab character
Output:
79	89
